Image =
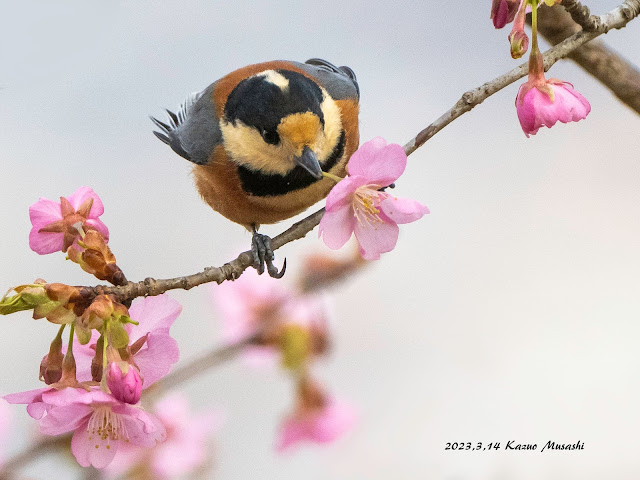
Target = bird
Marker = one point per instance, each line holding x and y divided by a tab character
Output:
262	140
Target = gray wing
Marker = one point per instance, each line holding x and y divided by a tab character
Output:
340	82
194	131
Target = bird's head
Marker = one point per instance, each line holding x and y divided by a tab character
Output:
278	121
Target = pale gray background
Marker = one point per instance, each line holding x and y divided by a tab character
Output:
520	320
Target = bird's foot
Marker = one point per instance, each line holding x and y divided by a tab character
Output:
263	254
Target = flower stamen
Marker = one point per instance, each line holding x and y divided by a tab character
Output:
107	425
366	200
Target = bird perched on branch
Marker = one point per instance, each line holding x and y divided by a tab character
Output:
261	137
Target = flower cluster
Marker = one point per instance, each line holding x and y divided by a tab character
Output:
291	328
72	226
540	102
95	386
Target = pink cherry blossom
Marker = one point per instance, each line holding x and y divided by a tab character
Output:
124	382
544	105
321	425
5	427
54	223
185	449
356	204
100	424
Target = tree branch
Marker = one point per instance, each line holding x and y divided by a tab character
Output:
199	364
581	15
607	66
615	19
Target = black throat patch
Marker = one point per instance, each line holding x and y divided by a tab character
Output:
269	185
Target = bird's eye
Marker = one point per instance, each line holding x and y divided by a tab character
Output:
270	137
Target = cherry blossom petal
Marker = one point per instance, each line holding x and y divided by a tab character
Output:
90	449
335	420
81	195
341	195
6	420
64	419
155	313
377	238
402	210
44	212
291	433
45	242
100	227
29	396
156	357
67	396
378	162
36	410
337	226
322	426
142	428
33	398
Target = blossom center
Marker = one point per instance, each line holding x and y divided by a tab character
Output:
106	425
366	200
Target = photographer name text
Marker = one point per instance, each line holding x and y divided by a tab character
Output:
513	445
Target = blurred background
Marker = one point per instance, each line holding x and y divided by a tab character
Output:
520	318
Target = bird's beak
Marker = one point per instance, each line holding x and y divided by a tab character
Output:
309	161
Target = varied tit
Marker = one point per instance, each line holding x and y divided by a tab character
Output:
261	138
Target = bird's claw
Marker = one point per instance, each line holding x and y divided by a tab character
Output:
263	254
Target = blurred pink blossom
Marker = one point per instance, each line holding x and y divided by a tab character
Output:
323	424
356	204
255	303
185	449
54	223
6	420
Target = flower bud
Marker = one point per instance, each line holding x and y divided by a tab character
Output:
95	257
124	381
519	43
503	11
51	364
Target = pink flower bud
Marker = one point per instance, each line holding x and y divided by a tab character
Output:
519	43
124	382
503	11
